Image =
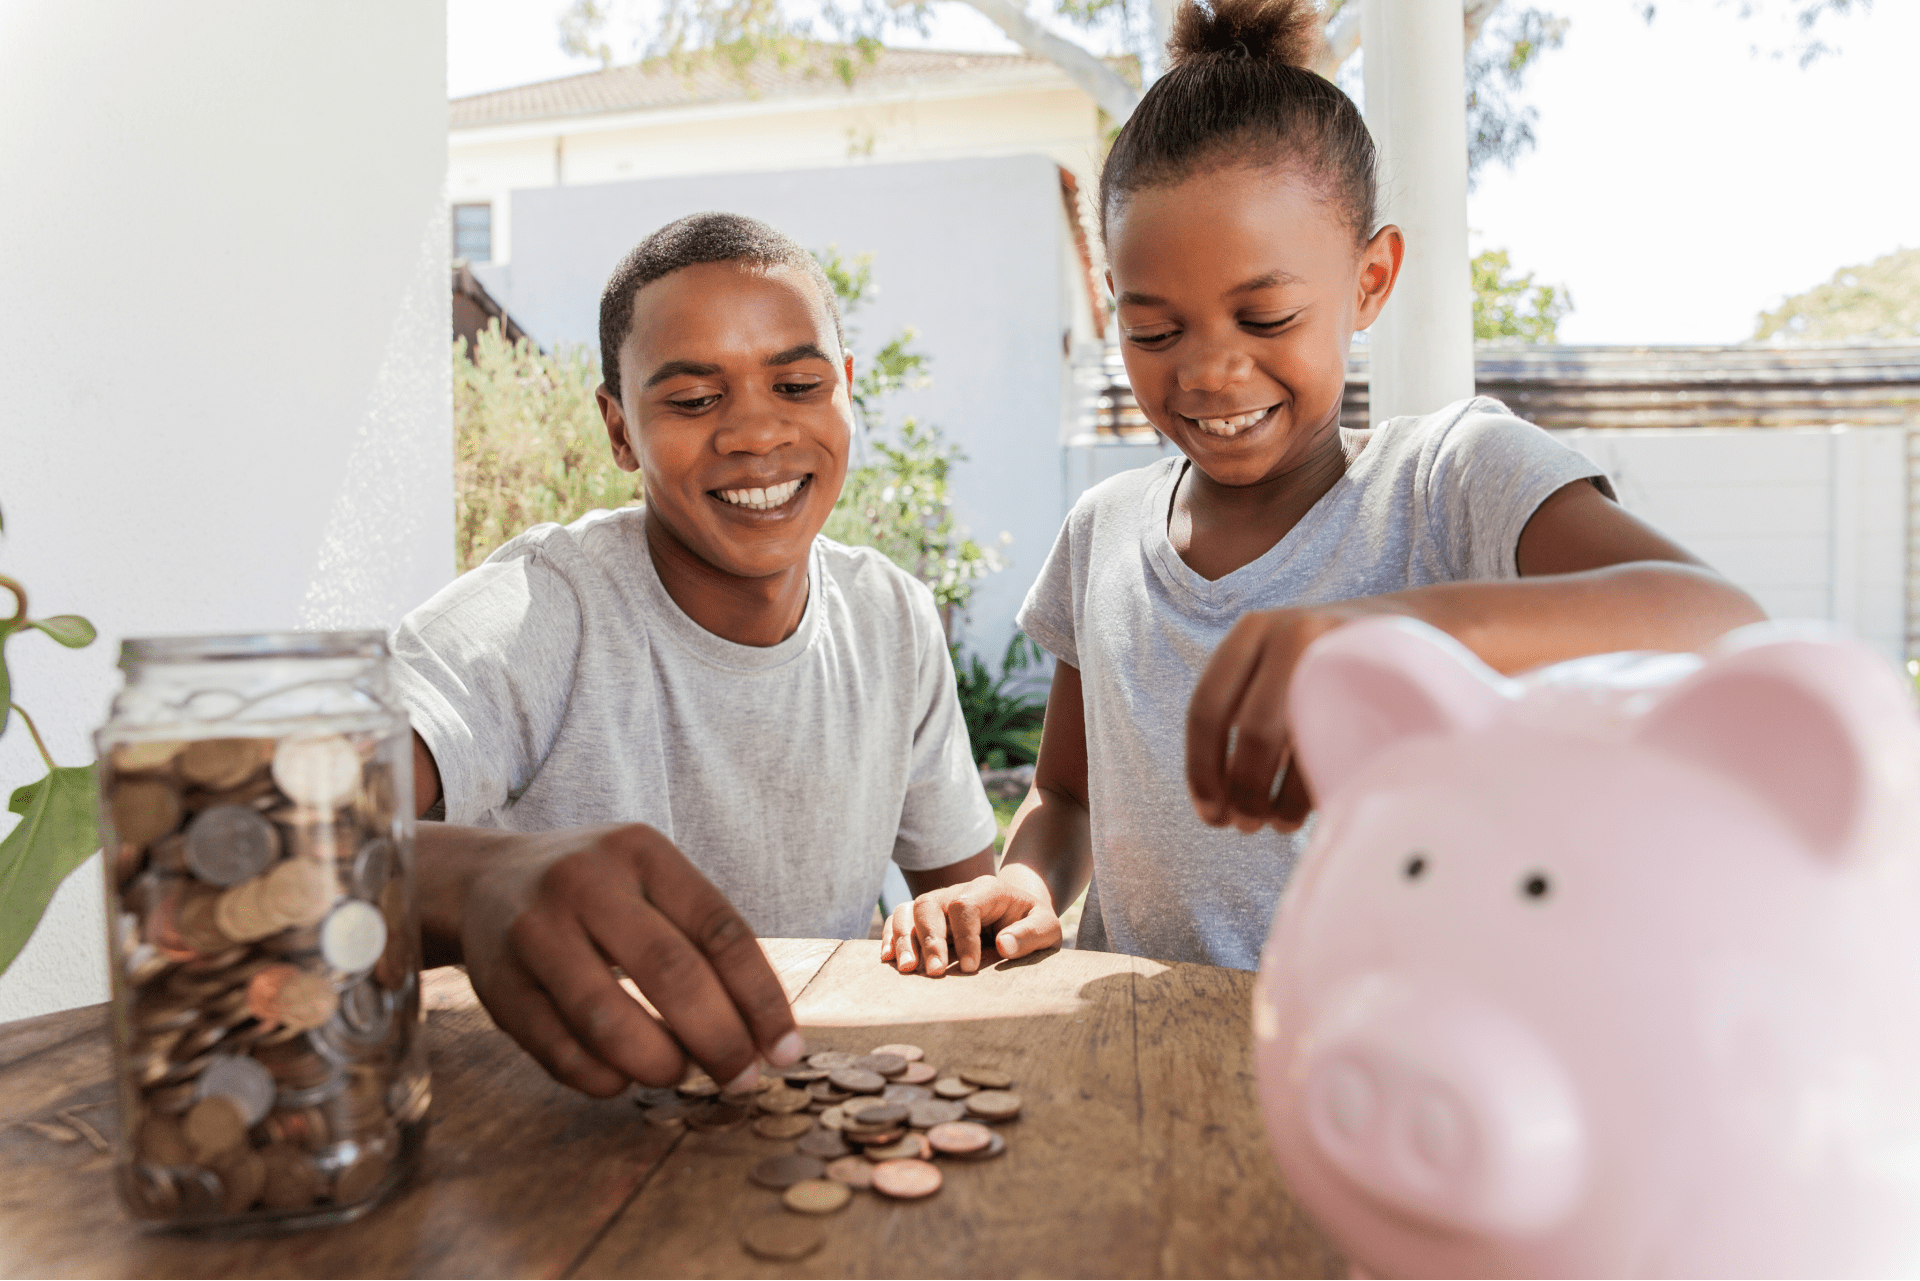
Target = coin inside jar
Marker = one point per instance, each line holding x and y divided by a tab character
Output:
358	1180
242	1080
321	770
907	1179
228	844
816	1196
353	936
144	810
221	763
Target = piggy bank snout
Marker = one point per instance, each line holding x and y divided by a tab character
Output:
1443	1108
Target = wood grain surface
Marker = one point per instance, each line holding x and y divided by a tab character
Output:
1138	1153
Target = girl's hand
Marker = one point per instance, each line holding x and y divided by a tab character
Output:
1237	738
953	923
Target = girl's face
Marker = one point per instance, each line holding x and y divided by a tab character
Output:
1239	292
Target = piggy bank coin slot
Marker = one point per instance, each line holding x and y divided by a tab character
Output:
1416	866
1536	886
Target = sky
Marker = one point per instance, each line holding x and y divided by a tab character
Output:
1685	177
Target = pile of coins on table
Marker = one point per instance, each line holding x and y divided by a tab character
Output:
876	1121
266	968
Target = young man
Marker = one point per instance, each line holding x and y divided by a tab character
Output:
662	730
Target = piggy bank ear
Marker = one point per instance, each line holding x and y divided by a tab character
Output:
1370	684
1819	731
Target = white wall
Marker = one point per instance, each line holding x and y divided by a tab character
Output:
1811	521
223	343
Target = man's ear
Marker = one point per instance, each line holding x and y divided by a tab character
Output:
849	368
616	421
1380	260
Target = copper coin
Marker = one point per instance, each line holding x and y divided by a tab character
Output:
244	1081
654	1096
887	1065
263	992
228	844
835	1117
783	1099
907	1145
993	1149
932	1112
816	1196
699	1086
952	1087
298	892
959	1136
307	1000
784	1171
830	1060
358	1181
715	1115
876	1115
143	810
196	926
824	1092
783	1125
245	1175
222	763
918	1074
152	1191
986	1078
783	1239
911	1053
823	1144
671	1116
872	1138
162	1142
292	1181
201	1192
994	1105
802	1075
907	1094
145	758
906	1179
855	1080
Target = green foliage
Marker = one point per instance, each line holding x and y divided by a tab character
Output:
1877	302
1003	717
529	443
57	831
897	501
1513	307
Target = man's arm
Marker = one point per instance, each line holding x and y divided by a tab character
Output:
539	919
1594	580
1049	858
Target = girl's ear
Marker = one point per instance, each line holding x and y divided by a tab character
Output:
1362	688
1380	260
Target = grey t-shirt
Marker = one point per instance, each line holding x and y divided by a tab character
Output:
558	684
1424	500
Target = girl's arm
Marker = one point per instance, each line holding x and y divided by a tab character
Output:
1594	580
1048	860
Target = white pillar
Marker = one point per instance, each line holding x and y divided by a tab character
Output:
1421	348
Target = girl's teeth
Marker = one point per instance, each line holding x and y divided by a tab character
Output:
1230	426
761	499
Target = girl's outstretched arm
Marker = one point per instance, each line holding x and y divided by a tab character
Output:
1048	861
1594	580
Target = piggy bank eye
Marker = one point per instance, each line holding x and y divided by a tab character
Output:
1536	886
1416	866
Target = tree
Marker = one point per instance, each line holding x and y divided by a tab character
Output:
1513	308
1876	302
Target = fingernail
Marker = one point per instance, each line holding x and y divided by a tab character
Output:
745	1081
935	965
787	1050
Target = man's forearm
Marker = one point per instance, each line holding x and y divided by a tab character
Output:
1518	625
1051	842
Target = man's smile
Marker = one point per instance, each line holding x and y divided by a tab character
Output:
763	498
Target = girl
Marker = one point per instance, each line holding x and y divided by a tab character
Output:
1238	211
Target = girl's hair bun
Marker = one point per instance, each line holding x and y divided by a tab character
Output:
1286	31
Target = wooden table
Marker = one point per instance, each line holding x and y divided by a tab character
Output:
1139	1153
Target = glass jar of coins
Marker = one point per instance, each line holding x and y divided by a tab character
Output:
255	810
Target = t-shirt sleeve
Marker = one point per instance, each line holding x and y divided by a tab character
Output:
1488	473
946	815
1046	616
485	669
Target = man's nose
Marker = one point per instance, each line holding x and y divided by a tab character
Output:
756	425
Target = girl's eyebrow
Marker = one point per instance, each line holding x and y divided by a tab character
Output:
1265	281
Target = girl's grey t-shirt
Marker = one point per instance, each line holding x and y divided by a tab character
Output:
558	684
1424	500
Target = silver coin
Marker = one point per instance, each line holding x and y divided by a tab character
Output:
321	771
244	1080
928	1113
372	868
228	844
353	936
366	1010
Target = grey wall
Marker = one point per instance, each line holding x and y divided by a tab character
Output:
970	253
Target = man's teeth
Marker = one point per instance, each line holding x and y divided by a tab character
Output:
761	500
1230	426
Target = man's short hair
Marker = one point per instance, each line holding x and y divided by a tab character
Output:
701	237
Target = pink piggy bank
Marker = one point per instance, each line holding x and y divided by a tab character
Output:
1612	969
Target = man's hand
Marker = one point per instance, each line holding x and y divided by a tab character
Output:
951	924
545	917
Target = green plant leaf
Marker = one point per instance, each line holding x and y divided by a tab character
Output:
70	630
57	832
6	690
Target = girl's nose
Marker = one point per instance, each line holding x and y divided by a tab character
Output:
1212	367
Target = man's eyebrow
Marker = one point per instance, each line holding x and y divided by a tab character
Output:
793	355
675	368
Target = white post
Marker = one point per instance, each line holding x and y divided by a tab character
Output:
1421	348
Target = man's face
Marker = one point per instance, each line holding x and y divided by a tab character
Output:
734	408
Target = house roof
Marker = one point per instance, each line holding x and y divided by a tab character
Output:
654	84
